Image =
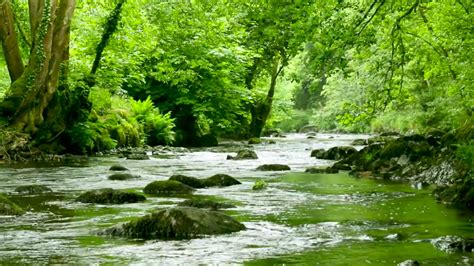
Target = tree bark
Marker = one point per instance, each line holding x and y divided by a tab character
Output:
10	46
261	110
27	100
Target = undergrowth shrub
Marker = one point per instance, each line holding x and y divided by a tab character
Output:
119	121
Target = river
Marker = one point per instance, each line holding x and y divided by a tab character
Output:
326	219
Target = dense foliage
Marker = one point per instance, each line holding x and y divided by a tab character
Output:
185	72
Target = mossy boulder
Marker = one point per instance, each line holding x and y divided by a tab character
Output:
178	223
32	189
118	167
205	204
317	153
167	188
188	180
220	180
122	176
109	196
137	156
255	141
7	207
273	167
259	185
243	155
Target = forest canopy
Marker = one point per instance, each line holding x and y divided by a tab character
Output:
88	76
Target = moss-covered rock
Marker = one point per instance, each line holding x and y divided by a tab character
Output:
273	167
205	204
137	156
255	141
359	142
220	180
109	196
319	170
167	188
178	223
460	194
32	189
122	176
243	155
7	207
118	167
188	180
317	153
259	185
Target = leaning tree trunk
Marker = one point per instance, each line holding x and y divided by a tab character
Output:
27	100
261	110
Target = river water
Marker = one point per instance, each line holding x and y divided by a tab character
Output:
326	219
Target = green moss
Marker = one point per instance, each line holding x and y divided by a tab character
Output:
166	188
32	189
259	185
205	204
255	141
7	207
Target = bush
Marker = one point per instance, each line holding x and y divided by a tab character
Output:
119	121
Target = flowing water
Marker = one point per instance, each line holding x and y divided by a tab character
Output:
299	219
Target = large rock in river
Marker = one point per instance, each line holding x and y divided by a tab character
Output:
7	207
220	180
273	167
188	180
109	196
178	223
167	188
243	155
122	176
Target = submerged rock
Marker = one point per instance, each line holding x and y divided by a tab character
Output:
109	196
273	167
317	153
188	180
32	189
243	155
178	223
7	207
167	188
118	167
122	176
205	204
319	170
220	180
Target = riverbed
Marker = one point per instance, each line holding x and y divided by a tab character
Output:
326	219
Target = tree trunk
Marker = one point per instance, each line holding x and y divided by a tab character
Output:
27	99
261	110
11	50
